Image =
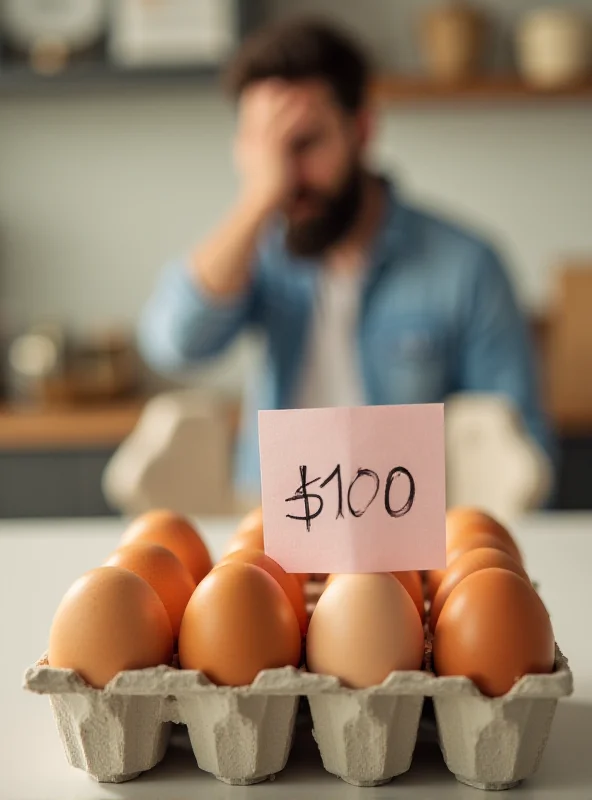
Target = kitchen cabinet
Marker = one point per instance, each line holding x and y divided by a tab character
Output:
52	460
52	483
575	468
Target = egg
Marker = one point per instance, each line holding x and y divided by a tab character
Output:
177	534
480	539
462	524
237	623
493	629
251	521
162	569
466	564
108	621
411	582
288	583
364	627
249	533
433	579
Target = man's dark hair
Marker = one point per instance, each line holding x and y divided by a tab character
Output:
300	50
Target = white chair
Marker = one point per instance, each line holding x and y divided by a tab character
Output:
179	456
491	461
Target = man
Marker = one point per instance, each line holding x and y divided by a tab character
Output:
363	298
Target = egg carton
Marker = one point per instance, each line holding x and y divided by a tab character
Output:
243	735
495	743
367	736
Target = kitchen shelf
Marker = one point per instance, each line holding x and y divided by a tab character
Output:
16	79
403	90
104	425
92	71
21	80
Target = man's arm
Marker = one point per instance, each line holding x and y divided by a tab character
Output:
497	354
199	306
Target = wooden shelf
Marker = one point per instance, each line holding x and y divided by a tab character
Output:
78	427
394	89
387	89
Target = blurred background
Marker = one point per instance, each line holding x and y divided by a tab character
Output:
114	156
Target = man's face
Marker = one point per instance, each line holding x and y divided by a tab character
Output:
327	163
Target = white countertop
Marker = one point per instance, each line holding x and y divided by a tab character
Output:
40	559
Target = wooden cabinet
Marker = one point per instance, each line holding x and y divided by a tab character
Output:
568	355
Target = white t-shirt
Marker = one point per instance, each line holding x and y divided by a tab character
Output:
331	374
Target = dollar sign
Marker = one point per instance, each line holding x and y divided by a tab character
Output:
303	494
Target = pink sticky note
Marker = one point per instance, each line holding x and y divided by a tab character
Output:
374	499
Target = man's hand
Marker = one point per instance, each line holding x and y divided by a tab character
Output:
272	117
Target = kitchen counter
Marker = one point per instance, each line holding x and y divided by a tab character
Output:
40	559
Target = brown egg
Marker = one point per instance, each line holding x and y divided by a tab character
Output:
108	621
466	564
288	583
177	534
433	579
462	524
251	521
248	534
238	622
411	582
493	629
479	540
363	628
163	571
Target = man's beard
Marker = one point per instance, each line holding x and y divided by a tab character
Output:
316	235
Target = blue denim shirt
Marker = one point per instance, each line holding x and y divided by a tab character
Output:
438	316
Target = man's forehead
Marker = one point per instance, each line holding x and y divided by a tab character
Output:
316	90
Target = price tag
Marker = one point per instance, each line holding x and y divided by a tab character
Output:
354	489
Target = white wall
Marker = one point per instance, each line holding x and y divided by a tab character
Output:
523	176
98	189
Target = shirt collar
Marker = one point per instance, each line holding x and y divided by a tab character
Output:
393	229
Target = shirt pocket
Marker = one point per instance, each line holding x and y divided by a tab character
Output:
410	359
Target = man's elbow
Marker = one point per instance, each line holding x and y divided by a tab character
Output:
166	349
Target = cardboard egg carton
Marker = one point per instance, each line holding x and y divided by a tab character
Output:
367	736
243	735
487	743
495	743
